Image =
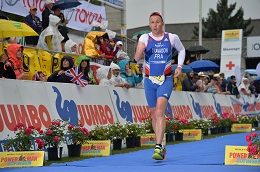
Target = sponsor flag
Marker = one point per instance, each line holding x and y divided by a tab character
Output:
45	59
31	63
76	76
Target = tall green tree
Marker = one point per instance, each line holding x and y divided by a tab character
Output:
225	18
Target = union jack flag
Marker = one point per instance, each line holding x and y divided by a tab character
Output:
76	76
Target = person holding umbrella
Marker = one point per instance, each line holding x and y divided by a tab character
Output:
158	81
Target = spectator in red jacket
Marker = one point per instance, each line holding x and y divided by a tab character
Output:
15	53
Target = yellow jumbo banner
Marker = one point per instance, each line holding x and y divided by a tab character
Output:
238	155
46	61
241	127
35	60
21	159
31	63
192	134
96	148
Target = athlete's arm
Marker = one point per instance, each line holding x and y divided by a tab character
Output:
176	43
139	51
140	47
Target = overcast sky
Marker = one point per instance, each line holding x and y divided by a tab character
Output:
181	11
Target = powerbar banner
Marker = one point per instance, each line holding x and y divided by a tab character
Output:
192	134
241	127
21	159
96	148
238	155
149	140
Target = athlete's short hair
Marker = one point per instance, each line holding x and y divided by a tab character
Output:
155	13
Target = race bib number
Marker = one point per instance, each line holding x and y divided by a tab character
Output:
157	79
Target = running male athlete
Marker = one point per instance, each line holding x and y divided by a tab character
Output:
158	81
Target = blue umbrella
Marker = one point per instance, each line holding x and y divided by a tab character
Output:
185	68
66	4
257	79
203	65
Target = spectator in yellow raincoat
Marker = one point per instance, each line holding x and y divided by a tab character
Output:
178	82
89	48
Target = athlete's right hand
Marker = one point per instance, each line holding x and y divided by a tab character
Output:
177	72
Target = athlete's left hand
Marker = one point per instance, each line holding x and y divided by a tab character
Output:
177	73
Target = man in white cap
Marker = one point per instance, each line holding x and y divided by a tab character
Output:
35	23
118	81
120	54
46	12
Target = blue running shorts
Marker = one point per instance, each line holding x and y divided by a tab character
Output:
154	91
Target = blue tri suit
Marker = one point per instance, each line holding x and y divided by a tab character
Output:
158	57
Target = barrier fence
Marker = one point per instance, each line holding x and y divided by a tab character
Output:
38	103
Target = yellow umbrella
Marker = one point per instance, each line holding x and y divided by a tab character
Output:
10	28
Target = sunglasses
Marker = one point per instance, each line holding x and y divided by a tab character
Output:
156	14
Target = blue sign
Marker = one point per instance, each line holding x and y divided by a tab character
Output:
124	108
118	3
67	110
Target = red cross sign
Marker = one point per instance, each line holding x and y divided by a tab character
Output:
230	65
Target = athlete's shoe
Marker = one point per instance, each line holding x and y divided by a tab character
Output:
159	153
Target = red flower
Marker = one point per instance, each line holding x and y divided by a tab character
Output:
58	123
184	121
40	144
243	89
37	140
254	150
254	134
85	130
28	131
167	123
248	138
15	128
249	148
234	119
41	132
55	123
56	138
38	129
49	132
175	127
250	143
70	127
225	115
19	126
31	127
